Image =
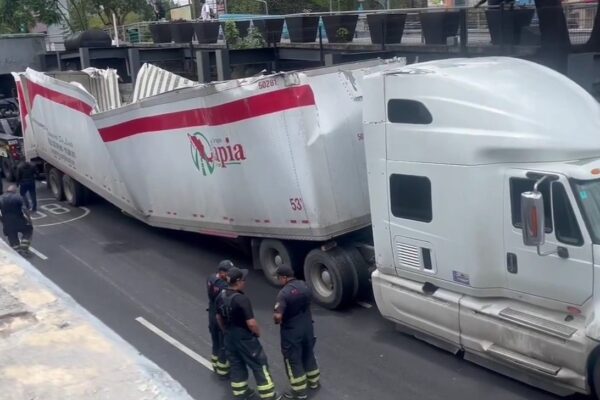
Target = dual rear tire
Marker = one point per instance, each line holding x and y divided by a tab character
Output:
336	276
63	187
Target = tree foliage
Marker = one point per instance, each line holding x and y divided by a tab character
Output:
120	8
20	15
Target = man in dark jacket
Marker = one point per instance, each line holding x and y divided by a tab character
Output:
292	313
236	318
214	285
16	220
26	182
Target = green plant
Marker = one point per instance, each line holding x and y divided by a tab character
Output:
235	41
253	39
342	33
232	34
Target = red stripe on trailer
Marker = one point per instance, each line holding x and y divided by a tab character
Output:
74	103
305	221
22	105
293	221
239	110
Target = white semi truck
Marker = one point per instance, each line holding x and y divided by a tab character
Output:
483	184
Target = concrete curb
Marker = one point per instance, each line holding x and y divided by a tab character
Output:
51	348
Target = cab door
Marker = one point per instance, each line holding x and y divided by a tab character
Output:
567	278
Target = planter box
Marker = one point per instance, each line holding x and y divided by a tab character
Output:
242	27
207	31
340	28
439	26
388	27
161	33
302	29
182	32
89	38
270	28
506	25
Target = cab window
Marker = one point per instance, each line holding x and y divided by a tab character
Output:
565	222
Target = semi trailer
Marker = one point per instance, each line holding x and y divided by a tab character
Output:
470	186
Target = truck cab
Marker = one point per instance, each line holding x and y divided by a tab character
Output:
484	180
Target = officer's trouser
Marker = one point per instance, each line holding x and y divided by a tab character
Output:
245	351
297	346
218	357
12	235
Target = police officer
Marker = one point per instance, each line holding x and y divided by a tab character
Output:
292	313
236	318
16	220
215	284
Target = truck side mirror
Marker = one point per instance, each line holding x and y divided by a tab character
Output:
532	217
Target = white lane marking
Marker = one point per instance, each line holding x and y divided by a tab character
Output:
43	182
169	339
46	199
364	304
37	253
86	212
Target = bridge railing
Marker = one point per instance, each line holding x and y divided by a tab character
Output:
484	25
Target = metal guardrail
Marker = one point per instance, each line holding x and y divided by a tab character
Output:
579	18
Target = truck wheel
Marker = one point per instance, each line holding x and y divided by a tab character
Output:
56	184
273	253
74	191
594	372
8	170
358	264
331	277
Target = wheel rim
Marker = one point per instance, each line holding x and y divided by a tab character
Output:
68	190
278	260
275	260
321	280
54	186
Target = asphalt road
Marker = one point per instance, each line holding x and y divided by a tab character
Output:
120	270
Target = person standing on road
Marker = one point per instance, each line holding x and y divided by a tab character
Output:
26	182
292	313
236	317
16	220
215	284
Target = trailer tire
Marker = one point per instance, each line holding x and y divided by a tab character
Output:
594	372
273	253
74	191
8	170
358	264
55	183
331	277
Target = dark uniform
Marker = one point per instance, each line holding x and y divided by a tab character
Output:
243	347
219	359
26	181
14	221
297	336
